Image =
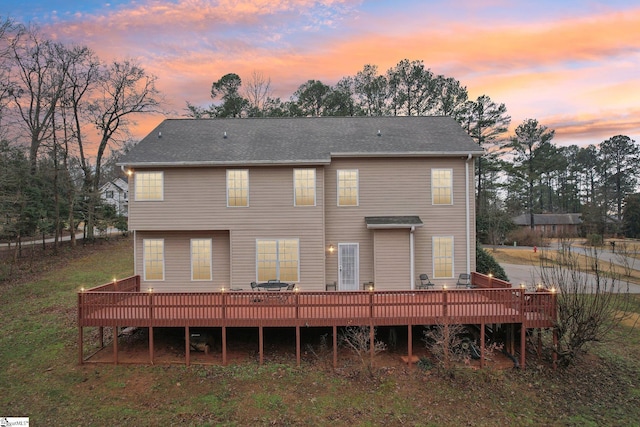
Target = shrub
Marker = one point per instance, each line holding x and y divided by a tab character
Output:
594	239
486	263
525	236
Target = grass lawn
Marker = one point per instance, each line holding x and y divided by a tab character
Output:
41	378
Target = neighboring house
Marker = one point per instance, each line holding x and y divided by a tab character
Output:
116	194
552	225
221	203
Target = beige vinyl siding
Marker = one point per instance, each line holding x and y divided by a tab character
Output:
399	186
195	199
392	259
177	261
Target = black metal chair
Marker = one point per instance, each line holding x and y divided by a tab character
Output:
424	283
464	279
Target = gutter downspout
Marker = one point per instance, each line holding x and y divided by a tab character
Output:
412	256
467	213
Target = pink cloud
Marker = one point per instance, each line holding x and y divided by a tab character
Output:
538	68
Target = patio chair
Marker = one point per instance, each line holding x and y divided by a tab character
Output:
254	286
464	279
424	283
291	286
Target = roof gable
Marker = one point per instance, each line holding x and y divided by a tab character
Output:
182	142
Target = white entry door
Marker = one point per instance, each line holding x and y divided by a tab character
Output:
348	266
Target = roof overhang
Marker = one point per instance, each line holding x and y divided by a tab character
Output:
386	222
411	154
222	163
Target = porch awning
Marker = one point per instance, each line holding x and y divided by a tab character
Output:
393	221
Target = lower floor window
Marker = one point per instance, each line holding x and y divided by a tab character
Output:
153	255
278	259
442	257
201	259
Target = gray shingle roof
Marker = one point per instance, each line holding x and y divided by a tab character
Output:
393	221
178	142
549	219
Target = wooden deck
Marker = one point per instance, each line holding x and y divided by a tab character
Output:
120	304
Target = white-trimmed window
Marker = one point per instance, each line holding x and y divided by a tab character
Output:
278	259
201	259
304	187
442	257
348	187
153	259
149	186
237	188
442	186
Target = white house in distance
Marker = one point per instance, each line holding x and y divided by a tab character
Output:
116	194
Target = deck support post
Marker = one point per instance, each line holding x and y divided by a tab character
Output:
372	343
101	332
409	345
523	330
115	345
539	350
523	345
446	343
298	345
261	343
151	350
224	346
482	332
187	346
335	347
554	356
80	345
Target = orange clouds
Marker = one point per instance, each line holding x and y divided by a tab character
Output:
549	69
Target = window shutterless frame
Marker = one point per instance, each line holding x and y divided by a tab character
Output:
149	186
237	188
153	259
443	251
347	187
304	187
441	186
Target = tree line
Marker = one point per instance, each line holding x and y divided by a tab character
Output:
64	114
523	172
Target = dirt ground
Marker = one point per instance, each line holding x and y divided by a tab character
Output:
279	347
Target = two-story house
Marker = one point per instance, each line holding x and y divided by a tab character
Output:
222	203
116	194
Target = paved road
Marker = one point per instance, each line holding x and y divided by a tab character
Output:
530	276
64	237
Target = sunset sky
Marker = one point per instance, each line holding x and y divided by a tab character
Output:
572	65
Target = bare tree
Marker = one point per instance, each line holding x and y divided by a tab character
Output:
124	90
257	92
37	86
83	72
592	301
7	40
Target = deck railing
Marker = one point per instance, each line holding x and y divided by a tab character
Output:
122	304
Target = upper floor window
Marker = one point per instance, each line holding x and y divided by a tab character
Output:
153	259
441	186
442	257
304	186
237	187
278	259
201	259
348	187
109	194
149	186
